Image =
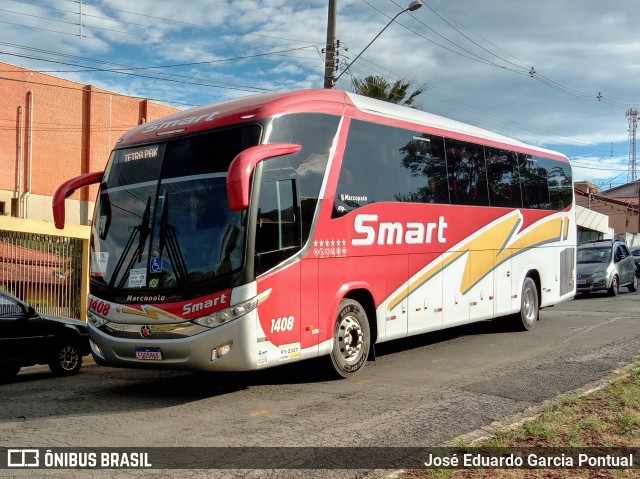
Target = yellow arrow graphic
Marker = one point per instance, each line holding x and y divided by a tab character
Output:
487	250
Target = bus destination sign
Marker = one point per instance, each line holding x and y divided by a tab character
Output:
140	153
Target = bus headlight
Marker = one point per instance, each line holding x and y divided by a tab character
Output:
226	315
96	320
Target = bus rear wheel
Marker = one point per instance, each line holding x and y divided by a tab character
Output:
529	306
351	339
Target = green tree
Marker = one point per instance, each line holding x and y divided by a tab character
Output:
378	87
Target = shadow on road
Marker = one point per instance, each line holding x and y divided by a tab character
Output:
96	389
505	325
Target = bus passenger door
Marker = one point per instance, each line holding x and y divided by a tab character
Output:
503	280
277	239
455	299
395	307
425	295
480	280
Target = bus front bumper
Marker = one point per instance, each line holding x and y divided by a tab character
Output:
230	347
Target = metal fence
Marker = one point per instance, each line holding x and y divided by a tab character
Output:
44	271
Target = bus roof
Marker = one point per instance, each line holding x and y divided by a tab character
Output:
337	102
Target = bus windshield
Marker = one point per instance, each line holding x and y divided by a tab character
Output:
162	219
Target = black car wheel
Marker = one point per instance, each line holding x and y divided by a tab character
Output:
66	360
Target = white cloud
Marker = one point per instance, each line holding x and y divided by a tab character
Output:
578	49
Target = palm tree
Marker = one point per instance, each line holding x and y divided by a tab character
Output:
375	86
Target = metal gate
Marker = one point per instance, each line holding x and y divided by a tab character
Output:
44	271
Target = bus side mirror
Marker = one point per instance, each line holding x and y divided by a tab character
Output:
66	189
239	175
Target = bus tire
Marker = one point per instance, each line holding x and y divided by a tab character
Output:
529	306
351	339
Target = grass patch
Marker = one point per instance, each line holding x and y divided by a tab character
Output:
609	417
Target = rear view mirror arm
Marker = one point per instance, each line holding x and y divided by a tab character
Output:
241	168
66	189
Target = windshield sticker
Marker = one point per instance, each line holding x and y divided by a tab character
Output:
155	266
137	278
99	262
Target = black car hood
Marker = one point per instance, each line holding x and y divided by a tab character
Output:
62	320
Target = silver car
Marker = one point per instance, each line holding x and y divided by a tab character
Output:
605	265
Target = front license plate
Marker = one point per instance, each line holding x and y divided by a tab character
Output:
582	281
153	354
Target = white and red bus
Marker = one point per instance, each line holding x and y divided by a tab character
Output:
269	229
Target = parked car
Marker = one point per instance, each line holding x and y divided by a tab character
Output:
605	265
28	338
635	251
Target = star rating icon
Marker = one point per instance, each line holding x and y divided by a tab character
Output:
330	247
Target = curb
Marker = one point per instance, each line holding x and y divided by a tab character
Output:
533	412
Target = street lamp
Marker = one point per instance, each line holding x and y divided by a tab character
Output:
413	6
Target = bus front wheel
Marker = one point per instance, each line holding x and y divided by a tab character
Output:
351	339
529	305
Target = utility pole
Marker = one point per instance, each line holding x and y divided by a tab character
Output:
80	34
632	116
330	49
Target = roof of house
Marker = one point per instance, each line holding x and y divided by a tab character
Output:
27	265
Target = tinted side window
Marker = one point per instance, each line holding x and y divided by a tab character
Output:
534	183
370	171
315	132
467	173
560	183
423	163
9	308
503	178
277	233
623	251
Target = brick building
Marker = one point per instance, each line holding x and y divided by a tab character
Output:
54	129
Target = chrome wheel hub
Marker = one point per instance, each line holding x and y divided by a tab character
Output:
349	338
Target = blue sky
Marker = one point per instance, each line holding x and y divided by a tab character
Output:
551	73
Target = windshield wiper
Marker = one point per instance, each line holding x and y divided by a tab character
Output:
142	230
168	236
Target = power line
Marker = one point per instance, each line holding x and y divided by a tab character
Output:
514	67
127	70
97	92
147	16
518	67
153	67
306	45
536	75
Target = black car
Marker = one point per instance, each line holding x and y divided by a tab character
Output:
28	338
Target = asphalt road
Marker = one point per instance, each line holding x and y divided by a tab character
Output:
422	391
